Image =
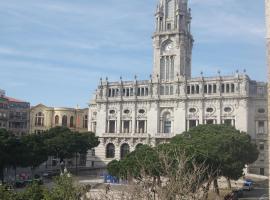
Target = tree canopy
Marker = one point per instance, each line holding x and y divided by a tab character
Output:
224	147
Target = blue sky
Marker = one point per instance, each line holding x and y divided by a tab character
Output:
54	51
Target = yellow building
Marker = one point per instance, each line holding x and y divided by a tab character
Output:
43	118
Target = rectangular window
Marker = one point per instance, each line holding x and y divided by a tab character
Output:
141	126
112	126
209	89
214	88
192	89
228	122
261	146
197	89
227	88
222	88
261	171
209	121
232	88
167	126
192	123
205	89
261	127
126	127
188	89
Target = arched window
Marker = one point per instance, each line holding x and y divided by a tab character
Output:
64	120
110	151
56	120
71	121
124	150
39	120
167	123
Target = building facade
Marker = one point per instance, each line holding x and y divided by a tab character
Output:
43	118
267	14
125	114
14	114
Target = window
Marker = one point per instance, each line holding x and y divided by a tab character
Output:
169	26
209	121
192	123
228	122
222	88
126	111
112	126
227	109
64	120
197	89
71	123
141	111
126	126
261	127
141	126
261	146
188	89
205	89
214	88
39	121
209	89
85	121
210	110
227	88
232	88
167	123
56	120
261	110
124	150
112	112
110	151
192	110
261	171
170	9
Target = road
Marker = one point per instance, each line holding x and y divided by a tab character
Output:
256	194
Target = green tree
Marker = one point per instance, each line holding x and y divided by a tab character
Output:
64	189
32	192
36	150
225	149
82	142
18	153
4	161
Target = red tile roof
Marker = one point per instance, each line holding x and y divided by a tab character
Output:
13	100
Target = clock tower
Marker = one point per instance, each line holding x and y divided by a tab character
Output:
172	40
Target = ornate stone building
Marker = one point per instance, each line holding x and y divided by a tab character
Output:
43	118
125	114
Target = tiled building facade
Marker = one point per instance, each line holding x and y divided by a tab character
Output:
14	114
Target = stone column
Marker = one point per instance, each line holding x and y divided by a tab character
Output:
267	14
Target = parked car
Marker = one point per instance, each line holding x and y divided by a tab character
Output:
248	186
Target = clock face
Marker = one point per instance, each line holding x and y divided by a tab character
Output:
168	47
